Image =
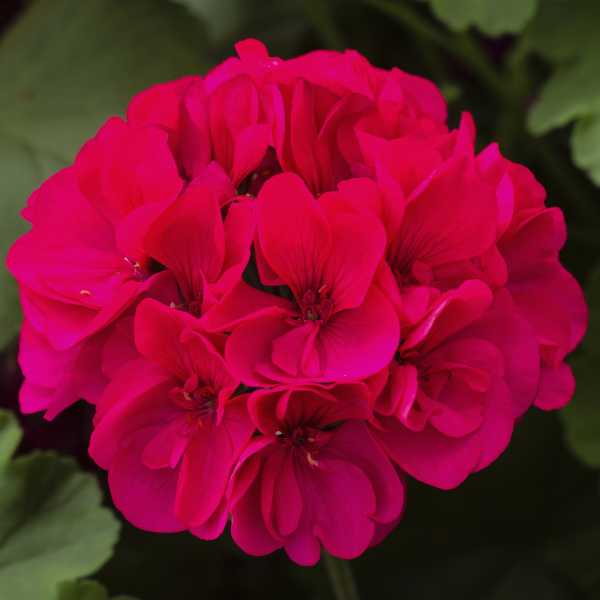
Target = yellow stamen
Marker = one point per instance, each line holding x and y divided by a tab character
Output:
314	463
85	293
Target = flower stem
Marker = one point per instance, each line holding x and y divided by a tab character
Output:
340	575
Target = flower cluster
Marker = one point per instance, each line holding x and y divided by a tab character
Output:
284	285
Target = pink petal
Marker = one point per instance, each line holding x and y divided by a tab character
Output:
316	405
337	509
239	230
189	238
358	342
452	218
195	144
358	243
549	322
294	235
454	311
409	161
241	303
173	339
213	527
120	186
145	496
67	324
556	386
399	393
389	209
248	528
144	406
457	410
539	238
132	229
34	398
138	372
281	500
498	422
167	446
204	475
511	334
251	344
552	279
429	455
214	177
352	442
294	352
250	147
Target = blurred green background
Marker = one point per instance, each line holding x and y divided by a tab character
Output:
526	527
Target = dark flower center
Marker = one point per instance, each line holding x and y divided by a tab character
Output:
315	307
305	443
204	400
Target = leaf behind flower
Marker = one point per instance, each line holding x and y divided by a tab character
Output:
52	526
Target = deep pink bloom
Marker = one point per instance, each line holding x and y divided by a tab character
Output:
82	262
302	485
354	71
206	255
457	382
529	238
435	212
398	298
55	379
168	430
334	113
341	327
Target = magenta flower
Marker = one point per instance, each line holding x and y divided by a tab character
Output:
82	263
459	379
311	233
168	429
341	327
529	238
302	485
206	254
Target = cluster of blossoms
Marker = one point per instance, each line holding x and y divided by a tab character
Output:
284	285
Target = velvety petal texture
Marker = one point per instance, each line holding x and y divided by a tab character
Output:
191	433
303	485
285	284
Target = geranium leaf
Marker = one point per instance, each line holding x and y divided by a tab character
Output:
52	527
492	17
565	33
86	590
65	67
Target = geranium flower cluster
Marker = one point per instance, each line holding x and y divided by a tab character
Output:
284	285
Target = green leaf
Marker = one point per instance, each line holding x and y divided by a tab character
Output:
86	590
581	416
52	527
10	436
223	17
492	17
565	33
65	67
585	146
